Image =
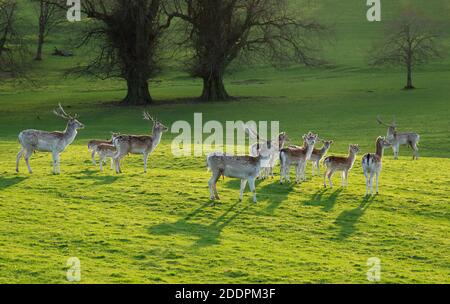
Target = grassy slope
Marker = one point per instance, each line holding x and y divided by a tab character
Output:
159	228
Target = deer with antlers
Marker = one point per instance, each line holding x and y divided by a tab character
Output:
397	139
138	144
246	168
297	156
53	142
272	147
338	163
372	163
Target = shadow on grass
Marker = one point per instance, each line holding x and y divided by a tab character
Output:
348	219
10	181
99	179
276	194
207	235
327	203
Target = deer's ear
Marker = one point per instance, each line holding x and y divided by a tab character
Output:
331	141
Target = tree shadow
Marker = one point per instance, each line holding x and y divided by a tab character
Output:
348	219
6	182
207	235
317	199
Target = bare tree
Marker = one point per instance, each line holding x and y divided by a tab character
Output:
220	30
49	17
128	34
409	41
12	48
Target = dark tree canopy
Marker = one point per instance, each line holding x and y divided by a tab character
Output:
129	33
409	41
221	30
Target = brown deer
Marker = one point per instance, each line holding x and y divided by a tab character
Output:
138	144
338	163
318	154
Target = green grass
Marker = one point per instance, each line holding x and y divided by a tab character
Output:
159	227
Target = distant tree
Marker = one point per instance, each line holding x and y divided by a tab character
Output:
128	34
409	41
12	47
221	30
49	17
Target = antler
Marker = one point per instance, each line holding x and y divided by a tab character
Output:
381	122
59	111
148	117
251	132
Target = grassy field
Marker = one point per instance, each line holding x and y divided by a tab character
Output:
159	227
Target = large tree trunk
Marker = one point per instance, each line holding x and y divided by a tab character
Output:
138	93
41	33
213	88
409	81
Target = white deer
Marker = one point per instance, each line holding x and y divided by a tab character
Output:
338	163
298	156
246	168
272	147
397	139
53	142
138	144
372	163
104	151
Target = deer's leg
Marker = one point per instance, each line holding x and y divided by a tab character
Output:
112	163
330	175
371	182
325	177
243	185
93	157
28	153
416	151
213	185
19	156
367	182
102	160
146	161
377	177
54	156
251	183
396	149
346	178
318	167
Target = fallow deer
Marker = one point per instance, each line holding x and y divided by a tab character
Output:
397	139
337	163
93	144
297	156
53	142
246	168
273	147
318	154
104	151
138	144
372	163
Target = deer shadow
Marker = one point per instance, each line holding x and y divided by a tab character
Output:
327	203
207	235
273	192
88	174
348	219
6	182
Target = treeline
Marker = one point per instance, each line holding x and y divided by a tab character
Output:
131	37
